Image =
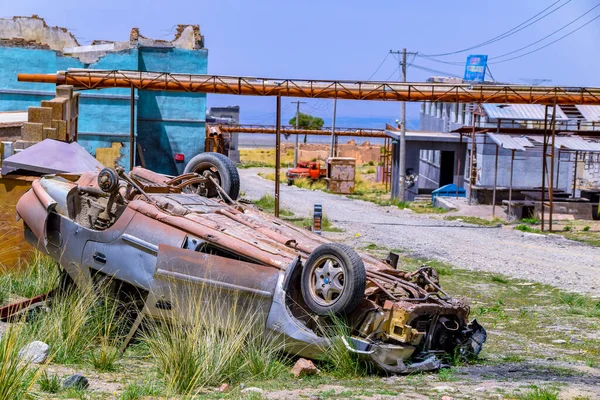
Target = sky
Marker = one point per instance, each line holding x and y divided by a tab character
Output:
346	39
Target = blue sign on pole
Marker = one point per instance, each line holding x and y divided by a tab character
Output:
475	68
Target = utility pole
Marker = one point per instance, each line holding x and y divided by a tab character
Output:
297	120
333	150
400	170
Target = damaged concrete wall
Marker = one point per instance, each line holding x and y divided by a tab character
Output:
166	123
171	123
35	31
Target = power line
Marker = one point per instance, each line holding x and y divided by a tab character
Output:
511	31
549	44
436	71
393	73
551	34
380	65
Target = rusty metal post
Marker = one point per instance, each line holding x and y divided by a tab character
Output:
512	161
551	179
495	184
575	174
277	153
544	149
458	164
132	129
472	162
558	170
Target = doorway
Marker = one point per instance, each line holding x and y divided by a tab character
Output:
446	168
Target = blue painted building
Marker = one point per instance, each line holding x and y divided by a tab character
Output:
165	123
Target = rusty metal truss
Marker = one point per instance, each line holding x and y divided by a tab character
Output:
291	130
352	90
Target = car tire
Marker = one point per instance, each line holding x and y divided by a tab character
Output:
290	182
333	280
221	165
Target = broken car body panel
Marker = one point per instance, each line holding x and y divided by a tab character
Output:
161	240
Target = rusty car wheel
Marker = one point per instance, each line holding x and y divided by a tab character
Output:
219	167
333	279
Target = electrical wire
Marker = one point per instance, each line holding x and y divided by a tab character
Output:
392	74
380	65
511	31
548	44
549	35
436	71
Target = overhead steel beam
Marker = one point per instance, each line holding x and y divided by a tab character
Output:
353	90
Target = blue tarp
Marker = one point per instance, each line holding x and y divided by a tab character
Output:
448	191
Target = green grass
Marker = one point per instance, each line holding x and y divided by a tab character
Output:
476	220
539	394
267	204
527	228
37	277
216	341
500	279
302	222
49	383
530	221
16	377
135	391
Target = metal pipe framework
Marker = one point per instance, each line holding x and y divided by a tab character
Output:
351	90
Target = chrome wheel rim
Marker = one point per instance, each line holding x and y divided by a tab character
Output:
327	279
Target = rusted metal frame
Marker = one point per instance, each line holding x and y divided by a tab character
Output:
277	153
345	90
212	235
132	129
510	187
544	166
495	184
181	84
575	174
250	85
366	95
222	191
458	163
265	230
472	161
317	93
393	92
380	286
558	169
397	280
230	90
551	180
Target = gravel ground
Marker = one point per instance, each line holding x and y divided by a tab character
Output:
547	259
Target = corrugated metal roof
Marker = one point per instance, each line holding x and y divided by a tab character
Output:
590	113
521	112
511	142
573	143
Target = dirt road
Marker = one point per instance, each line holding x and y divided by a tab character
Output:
547	259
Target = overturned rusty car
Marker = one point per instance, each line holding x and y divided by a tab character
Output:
152	233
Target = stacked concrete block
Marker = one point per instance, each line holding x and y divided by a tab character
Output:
55	119
40	115
61	129
59	107
22	144
50	133
33	132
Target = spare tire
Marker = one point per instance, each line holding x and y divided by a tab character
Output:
333	280
221	168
